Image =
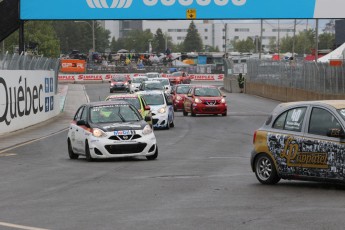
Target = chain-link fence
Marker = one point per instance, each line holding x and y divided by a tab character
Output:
28	62
310	76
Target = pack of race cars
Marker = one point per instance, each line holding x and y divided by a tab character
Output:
123	124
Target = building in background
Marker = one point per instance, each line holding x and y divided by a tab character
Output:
213	33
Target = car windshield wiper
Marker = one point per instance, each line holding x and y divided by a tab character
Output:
120	115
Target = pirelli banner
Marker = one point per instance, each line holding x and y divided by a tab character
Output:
179	9
27	98
93	78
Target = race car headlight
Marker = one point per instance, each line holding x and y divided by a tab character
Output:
197	100
178	98
112	83
126	83
223	100
162	110
98	133
147	130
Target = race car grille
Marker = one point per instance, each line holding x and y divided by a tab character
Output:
212	109
154	121
124	149
211	102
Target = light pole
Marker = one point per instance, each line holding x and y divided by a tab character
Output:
93	33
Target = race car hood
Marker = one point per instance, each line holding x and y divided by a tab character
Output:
110	127
209	98
155	108
136	85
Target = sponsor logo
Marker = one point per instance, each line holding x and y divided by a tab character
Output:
90	77
123	4
295	158
114	4
72	65
190	2
22	100
67	77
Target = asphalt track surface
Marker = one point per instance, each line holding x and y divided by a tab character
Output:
201	180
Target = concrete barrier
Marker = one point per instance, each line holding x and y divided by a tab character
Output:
28	97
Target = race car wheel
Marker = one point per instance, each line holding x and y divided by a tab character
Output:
154	156
265	170
71	154
87	152
184	112
191	112
111	91
168	125
224	114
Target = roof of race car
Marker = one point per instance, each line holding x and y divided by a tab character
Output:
150	92
337	104
100	103
121	96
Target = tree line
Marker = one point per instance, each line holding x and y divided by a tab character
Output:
53	38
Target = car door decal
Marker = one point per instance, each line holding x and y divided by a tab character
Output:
299	156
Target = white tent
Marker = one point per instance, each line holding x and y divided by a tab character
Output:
335	54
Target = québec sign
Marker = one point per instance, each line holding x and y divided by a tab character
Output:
176	9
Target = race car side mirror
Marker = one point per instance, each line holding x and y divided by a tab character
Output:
147	107
147	118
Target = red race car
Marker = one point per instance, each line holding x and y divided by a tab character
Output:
179	92
179	78
204	100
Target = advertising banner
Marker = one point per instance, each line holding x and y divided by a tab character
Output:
72	66
27	98
178	9
106	77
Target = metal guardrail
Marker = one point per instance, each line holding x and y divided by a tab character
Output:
311	76
28	62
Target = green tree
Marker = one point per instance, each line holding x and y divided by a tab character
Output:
326	41
192	42
272	45
158	44
39	37
138	40
244	46
286	44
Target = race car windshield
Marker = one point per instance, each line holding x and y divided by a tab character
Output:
342	113
138	80
113	114
119	79
152	75
132	100
154	86
154	99
182	89
207	92
164	81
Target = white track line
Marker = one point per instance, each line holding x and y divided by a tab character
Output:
20	226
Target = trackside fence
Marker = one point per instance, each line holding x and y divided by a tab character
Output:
310	76
28	62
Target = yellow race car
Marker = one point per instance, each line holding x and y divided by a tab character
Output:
136	100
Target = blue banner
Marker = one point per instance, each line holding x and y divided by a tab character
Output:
165	9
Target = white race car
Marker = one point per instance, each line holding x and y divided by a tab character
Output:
135	83
161	107
110	129
165	82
